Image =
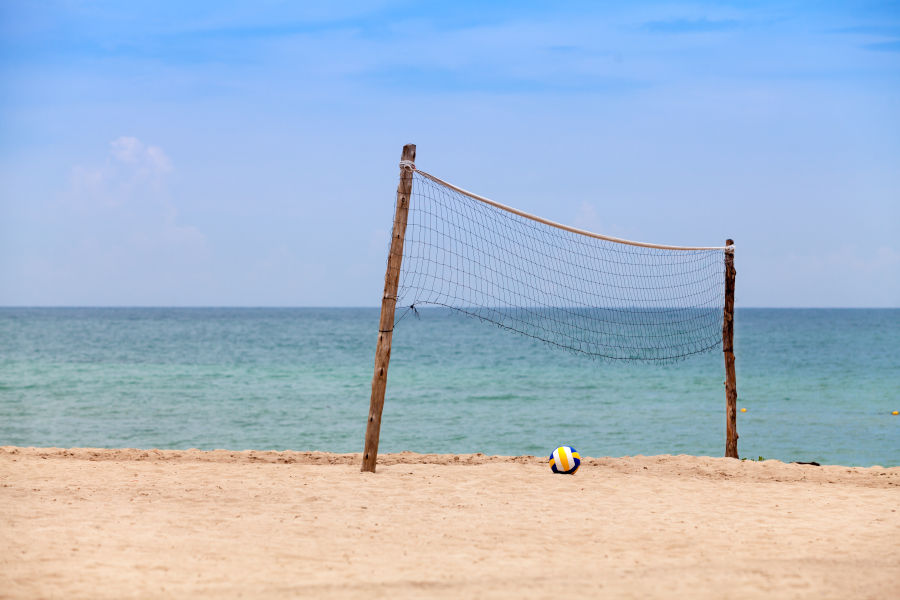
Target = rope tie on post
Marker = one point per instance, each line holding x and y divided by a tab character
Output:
408	164
411	307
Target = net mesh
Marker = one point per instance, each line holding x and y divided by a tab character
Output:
591	296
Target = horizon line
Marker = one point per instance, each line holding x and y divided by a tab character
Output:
348	306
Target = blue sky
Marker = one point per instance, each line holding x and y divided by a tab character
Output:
215	153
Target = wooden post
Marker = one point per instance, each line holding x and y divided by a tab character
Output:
731	435
388	305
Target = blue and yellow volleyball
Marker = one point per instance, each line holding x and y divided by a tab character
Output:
565	460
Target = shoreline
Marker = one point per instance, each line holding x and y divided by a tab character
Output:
700	465
112	523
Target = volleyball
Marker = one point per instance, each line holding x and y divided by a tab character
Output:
565	460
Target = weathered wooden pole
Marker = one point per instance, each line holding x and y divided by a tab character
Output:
388	305
731	435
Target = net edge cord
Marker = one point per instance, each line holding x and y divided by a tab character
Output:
566	227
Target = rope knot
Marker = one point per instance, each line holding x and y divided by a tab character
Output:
408	164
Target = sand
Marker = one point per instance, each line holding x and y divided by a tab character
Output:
91	523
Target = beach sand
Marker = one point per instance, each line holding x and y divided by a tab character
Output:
93	523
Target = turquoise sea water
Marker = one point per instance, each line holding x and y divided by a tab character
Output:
817	384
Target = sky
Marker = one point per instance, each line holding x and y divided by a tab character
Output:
245	153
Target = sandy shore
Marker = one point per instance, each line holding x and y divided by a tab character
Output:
88	523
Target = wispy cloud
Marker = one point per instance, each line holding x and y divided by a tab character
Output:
893	46
464	81
691	26
889	30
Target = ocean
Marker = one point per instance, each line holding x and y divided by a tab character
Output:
818	385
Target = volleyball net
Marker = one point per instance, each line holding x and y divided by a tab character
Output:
590	294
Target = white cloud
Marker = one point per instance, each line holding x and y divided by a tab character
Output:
126	149
132	157
132	172
147	159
